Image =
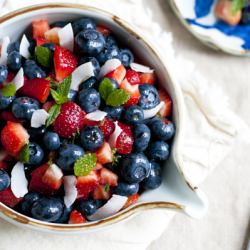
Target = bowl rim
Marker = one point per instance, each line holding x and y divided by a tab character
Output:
11	214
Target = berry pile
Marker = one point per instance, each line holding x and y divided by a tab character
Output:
82	124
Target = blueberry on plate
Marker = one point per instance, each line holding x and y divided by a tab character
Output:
14	61
3	73
4	180
50	46
158	150
68	154
36	133
51	141
135	168
94	62
59	24
92	138
154	179
108	53
23	107
149	96
83	24
90	42
72	95
5	101
64	218
36	154
32	70
89	100
88	84
126	57
142	137
134	115
87	207
32	46
27	202
47	209
126	189
15	46
110	41
114	112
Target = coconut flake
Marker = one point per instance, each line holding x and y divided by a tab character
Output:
81	74
140	68
70	190
39	118
97	115
57	172
3	51
19	79
149	113
24	47
114	205
109	66
19	183
113	137
66	37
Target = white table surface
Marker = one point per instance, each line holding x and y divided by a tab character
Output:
228	187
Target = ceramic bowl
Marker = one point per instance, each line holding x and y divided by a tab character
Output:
198	17
176	192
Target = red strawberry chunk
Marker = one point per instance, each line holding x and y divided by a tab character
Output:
8	198
13	137
148	78
65	62
8	116
133	90
69	120
118	74
107	126
108	177
3	165
36	88
51	35
76	218
48	105
104	154
40	41
133	77
166	110
131	200
53	177
100	194
39	27
10	77
98	166
105	31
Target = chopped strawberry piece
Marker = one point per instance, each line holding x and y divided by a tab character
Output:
133	90
98	166
133	77
51	35
8	198
105	31
48	105
104	154
10	77
36	88
39	27
108	177
118	74
100	194
3	165
148	78
76	218
166	110
13	137
40	41
53	177
107	126
131	200
65	63
8	116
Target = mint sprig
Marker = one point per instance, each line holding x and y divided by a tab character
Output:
238	5
8	90
85	164
24	154
105	88
107	188
117	97
53	113
43	56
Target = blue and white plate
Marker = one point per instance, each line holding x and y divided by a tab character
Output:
198	16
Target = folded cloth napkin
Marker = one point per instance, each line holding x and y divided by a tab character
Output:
212	131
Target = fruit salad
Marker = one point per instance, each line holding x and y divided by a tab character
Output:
85	129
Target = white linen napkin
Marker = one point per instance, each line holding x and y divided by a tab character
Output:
212	131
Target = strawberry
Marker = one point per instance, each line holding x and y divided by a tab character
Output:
105	31
100	194
69	120
133	90
39	27
86	184
107	126
51	35
98	166
148	78
132	77
65	62
76	218
13	137
108	177
167	108
8	116
3	165
48	105
8	198
53	177
36	88
131	200
10	77
40	41
118	74
104	154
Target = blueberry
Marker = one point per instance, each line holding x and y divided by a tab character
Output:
154	179
5	101
158	151
126	57
110	41
3	73
72	95
68	154
36	154
134	115
135	168
126	189
108	53
89	100
89	83
142	137
87	207
50	46
83	24
90	41
14	61
65	215
32	70
13	47
51	141
27	202
4	180
114	112
23	107
59	24
36	133
94	62
149	96
47	209
245	18
32	46
92	138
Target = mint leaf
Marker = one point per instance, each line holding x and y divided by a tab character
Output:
24	154
238	5
117	97
9	90
53	113
105	88
85	164
55	96
107	188
43	56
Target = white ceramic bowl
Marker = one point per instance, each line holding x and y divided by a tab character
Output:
175	192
